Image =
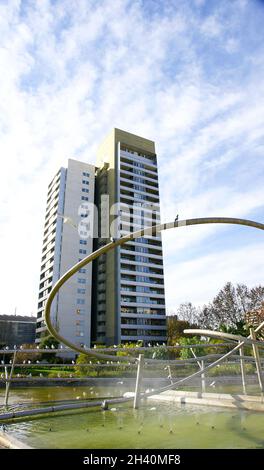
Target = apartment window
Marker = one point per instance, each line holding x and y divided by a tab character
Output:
84	234
143	300
140	196
82	270
142	289
85	182
80	301
126	310
86	174
101	335
85	190
85	207
141	249
126	299
143	269
85	198
81	280
143	279
83	252
83	242
80	291
141	240
142	259
80	311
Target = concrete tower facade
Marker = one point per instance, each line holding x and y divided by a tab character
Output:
120	297
129	297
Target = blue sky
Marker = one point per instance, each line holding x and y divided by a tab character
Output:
187	74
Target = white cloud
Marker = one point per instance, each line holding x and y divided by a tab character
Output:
200	279
231	45
220	202
211	26
69	74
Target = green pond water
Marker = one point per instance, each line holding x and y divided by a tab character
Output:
153	425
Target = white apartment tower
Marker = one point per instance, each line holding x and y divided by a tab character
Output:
62	247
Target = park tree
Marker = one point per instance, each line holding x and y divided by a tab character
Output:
186	353
49	342
256	298
188	313
128	346
241	328
23	356
83	359
175	328
230	306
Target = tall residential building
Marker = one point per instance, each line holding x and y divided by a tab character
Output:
129	299
71	188
120	298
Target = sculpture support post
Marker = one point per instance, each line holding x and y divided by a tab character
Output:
242	365
203	377
201	366
8	380
169	376
257	359
138	381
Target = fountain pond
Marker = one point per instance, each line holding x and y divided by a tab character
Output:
153	425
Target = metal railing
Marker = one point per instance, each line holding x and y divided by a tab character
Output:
138	364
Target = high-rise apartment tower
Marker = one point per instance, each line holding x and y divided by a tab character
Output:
129	301
71	188
120	298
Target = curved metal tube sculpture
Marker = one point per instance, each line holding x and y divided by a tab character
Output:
119	242
241	341
220	334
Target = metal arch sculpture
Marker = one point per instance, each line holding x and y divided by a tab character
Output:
241	340
228	336
119	242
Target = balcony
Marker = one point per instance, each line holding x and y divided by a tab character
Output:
124	189
141	160
101	329
133	176
153	316
154	328
142	294
157	306
130	183
136	338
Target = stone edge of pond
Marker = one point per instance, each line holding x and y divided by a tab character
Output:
235	401
10	442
